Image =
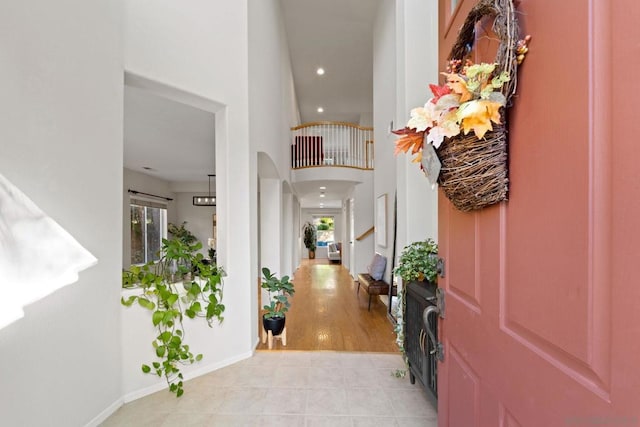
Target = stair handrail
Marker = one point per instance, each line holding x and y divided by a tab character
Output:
366	233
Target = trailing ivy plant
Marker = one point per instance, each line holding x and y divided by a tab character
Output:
170	291
418	261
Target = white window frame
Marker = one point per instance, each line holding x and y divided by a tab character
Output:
146	204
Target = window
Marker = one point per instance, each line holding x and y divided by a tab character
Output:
148	228
326	228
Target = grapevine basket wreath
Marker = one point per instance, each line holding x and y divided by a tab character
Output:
464	121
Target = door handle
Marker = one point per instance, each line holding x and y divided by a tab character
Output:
438	349
425	318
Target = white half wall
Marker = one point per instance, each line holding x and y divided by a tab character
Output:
201	49
61	143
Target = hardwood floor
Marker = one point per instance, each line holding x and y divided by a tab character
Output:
326	313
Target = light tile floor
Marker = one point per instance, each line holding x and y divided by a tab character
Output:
291	389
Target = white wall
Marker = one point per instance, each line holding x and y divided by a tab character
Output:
201	48
273	108
289	235
366	119
272	112
384	111
405	62
61	143
270	202
417	66
363	220
296	256
199	218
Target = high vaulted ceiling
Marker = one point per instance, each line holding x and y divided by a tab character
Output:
336	35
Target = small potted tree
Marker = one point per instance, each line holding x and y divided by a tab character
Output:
279	290
309	238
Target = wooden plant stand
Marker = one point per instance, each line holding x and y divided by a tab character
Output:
268	336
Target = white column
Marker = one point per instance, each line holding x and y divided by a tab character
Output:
288	235
417	66
270	201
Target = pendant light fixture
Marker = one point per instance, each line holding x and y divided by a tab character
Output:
205	200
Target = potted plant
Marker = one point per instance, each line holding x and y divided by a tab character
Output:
418	261
169	301
309	238
279	290
180	232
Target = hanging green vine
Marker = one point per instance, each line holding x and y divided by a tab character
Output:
182	283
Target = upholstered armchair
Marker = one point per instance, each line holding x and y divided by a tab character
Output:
334	252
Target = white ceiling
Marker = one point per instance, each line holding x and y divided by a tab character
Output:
309	193
178	141
336	35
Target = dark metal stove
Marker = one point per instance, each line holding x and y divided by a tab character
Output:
421	352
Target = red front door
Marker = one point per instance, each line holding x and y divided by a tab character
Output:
542	322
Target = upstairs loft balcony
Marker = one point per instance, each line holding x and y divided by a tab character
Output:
331	144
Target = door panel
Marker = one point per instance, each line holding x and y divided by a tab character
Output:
530	334
464	268
465	385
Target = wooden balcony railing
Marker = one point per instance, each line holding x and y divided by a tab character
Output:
331	144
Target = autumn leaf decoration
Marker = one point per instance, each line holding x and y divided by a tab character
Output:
468	101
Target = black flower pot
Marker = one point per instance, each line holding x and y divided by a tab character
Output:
273	324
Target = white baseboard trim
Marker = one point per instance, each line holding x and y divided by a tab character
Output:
134	395
102	416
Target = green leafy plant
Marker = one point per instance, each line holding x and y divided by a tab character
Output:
180	232
418	261
279	292
309	236
169	301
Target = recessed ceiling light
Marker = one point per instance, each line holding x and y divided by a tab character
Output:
320	110
320	71
322	195
323	188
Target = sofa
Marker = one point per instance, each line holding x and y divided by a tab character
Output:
334	252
